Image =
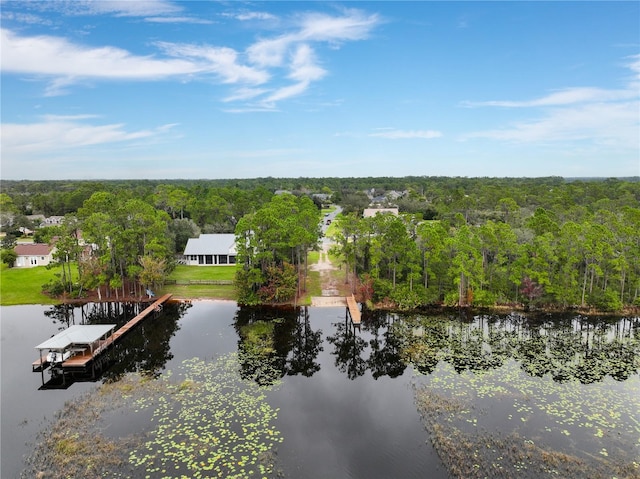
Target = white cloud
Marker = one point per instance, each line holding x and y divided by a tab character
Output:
55	56
247	16
117	7
294	49
67	63
615	124
220	60
26	18
303	69
313	27
392	134
589	114
64	63
241	94
353	25
54	132
303	65
172	19
567	96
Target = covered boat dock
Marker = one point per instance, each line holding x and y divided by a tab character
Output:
77	340
80	346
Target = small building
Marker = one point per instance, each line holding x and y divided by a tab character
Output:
33	254
210	250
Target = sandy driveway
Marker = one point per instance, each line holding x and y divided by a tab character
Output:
330	286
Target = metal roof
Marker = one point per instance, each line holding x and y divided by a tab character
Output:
211	244
82	334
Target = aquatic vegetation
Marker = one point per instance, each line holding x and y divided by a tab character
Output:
217	426
505	423
207	422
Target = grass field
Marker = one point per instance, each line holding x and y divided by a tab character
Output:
199	291
184	273
314	288
24	285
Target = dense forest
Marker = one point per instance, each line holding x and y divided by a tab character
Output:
457	241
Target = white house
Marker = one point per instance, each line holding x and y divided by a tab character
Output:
211	249
33	254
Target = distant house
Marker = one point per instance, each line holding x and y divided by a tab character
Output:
369	212
41	220
211	249
33	254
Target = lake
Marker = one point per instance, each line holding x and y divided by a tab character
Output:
253	392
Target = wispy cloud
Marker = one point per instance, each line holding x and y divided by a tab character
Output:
295	48
567	96
172	19
66	63
614	124
54	133
223	61
26	18
393	134
598	115
245	16
116	7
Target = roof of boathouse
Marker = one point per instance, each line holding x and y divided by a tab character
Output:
81	334
211	244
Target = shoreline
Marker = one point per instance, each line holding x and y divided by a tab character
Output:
630	311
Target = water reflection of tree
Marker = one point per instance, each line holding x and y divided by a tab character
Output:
385	358
94	313
289	345
146	349
306	344
348	348
567	349
64	314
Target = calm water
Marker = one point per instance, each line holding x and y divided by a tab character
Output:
346	398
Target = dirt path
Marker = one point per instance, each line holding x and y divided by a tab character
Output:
333	288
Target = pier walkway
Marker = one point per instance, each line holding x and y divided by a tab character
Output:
84	353
354	310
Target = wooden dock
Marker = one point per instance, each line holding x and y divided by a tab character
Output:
85	356
81	360
354	310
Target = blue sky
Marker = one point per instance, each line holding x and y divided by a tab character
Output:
163	89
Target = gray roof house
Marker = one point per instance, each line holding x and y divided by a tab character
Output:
211	249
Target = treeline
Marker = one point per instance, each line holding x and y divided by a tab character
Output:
585	259
477	241
438	195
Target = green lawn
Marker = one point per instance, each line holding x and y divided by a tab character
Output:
184	273
24	285
199	291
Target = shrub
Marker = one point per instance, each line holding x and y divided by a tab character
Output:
484	299
53	288
8	257
605	301
381	289
407	299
